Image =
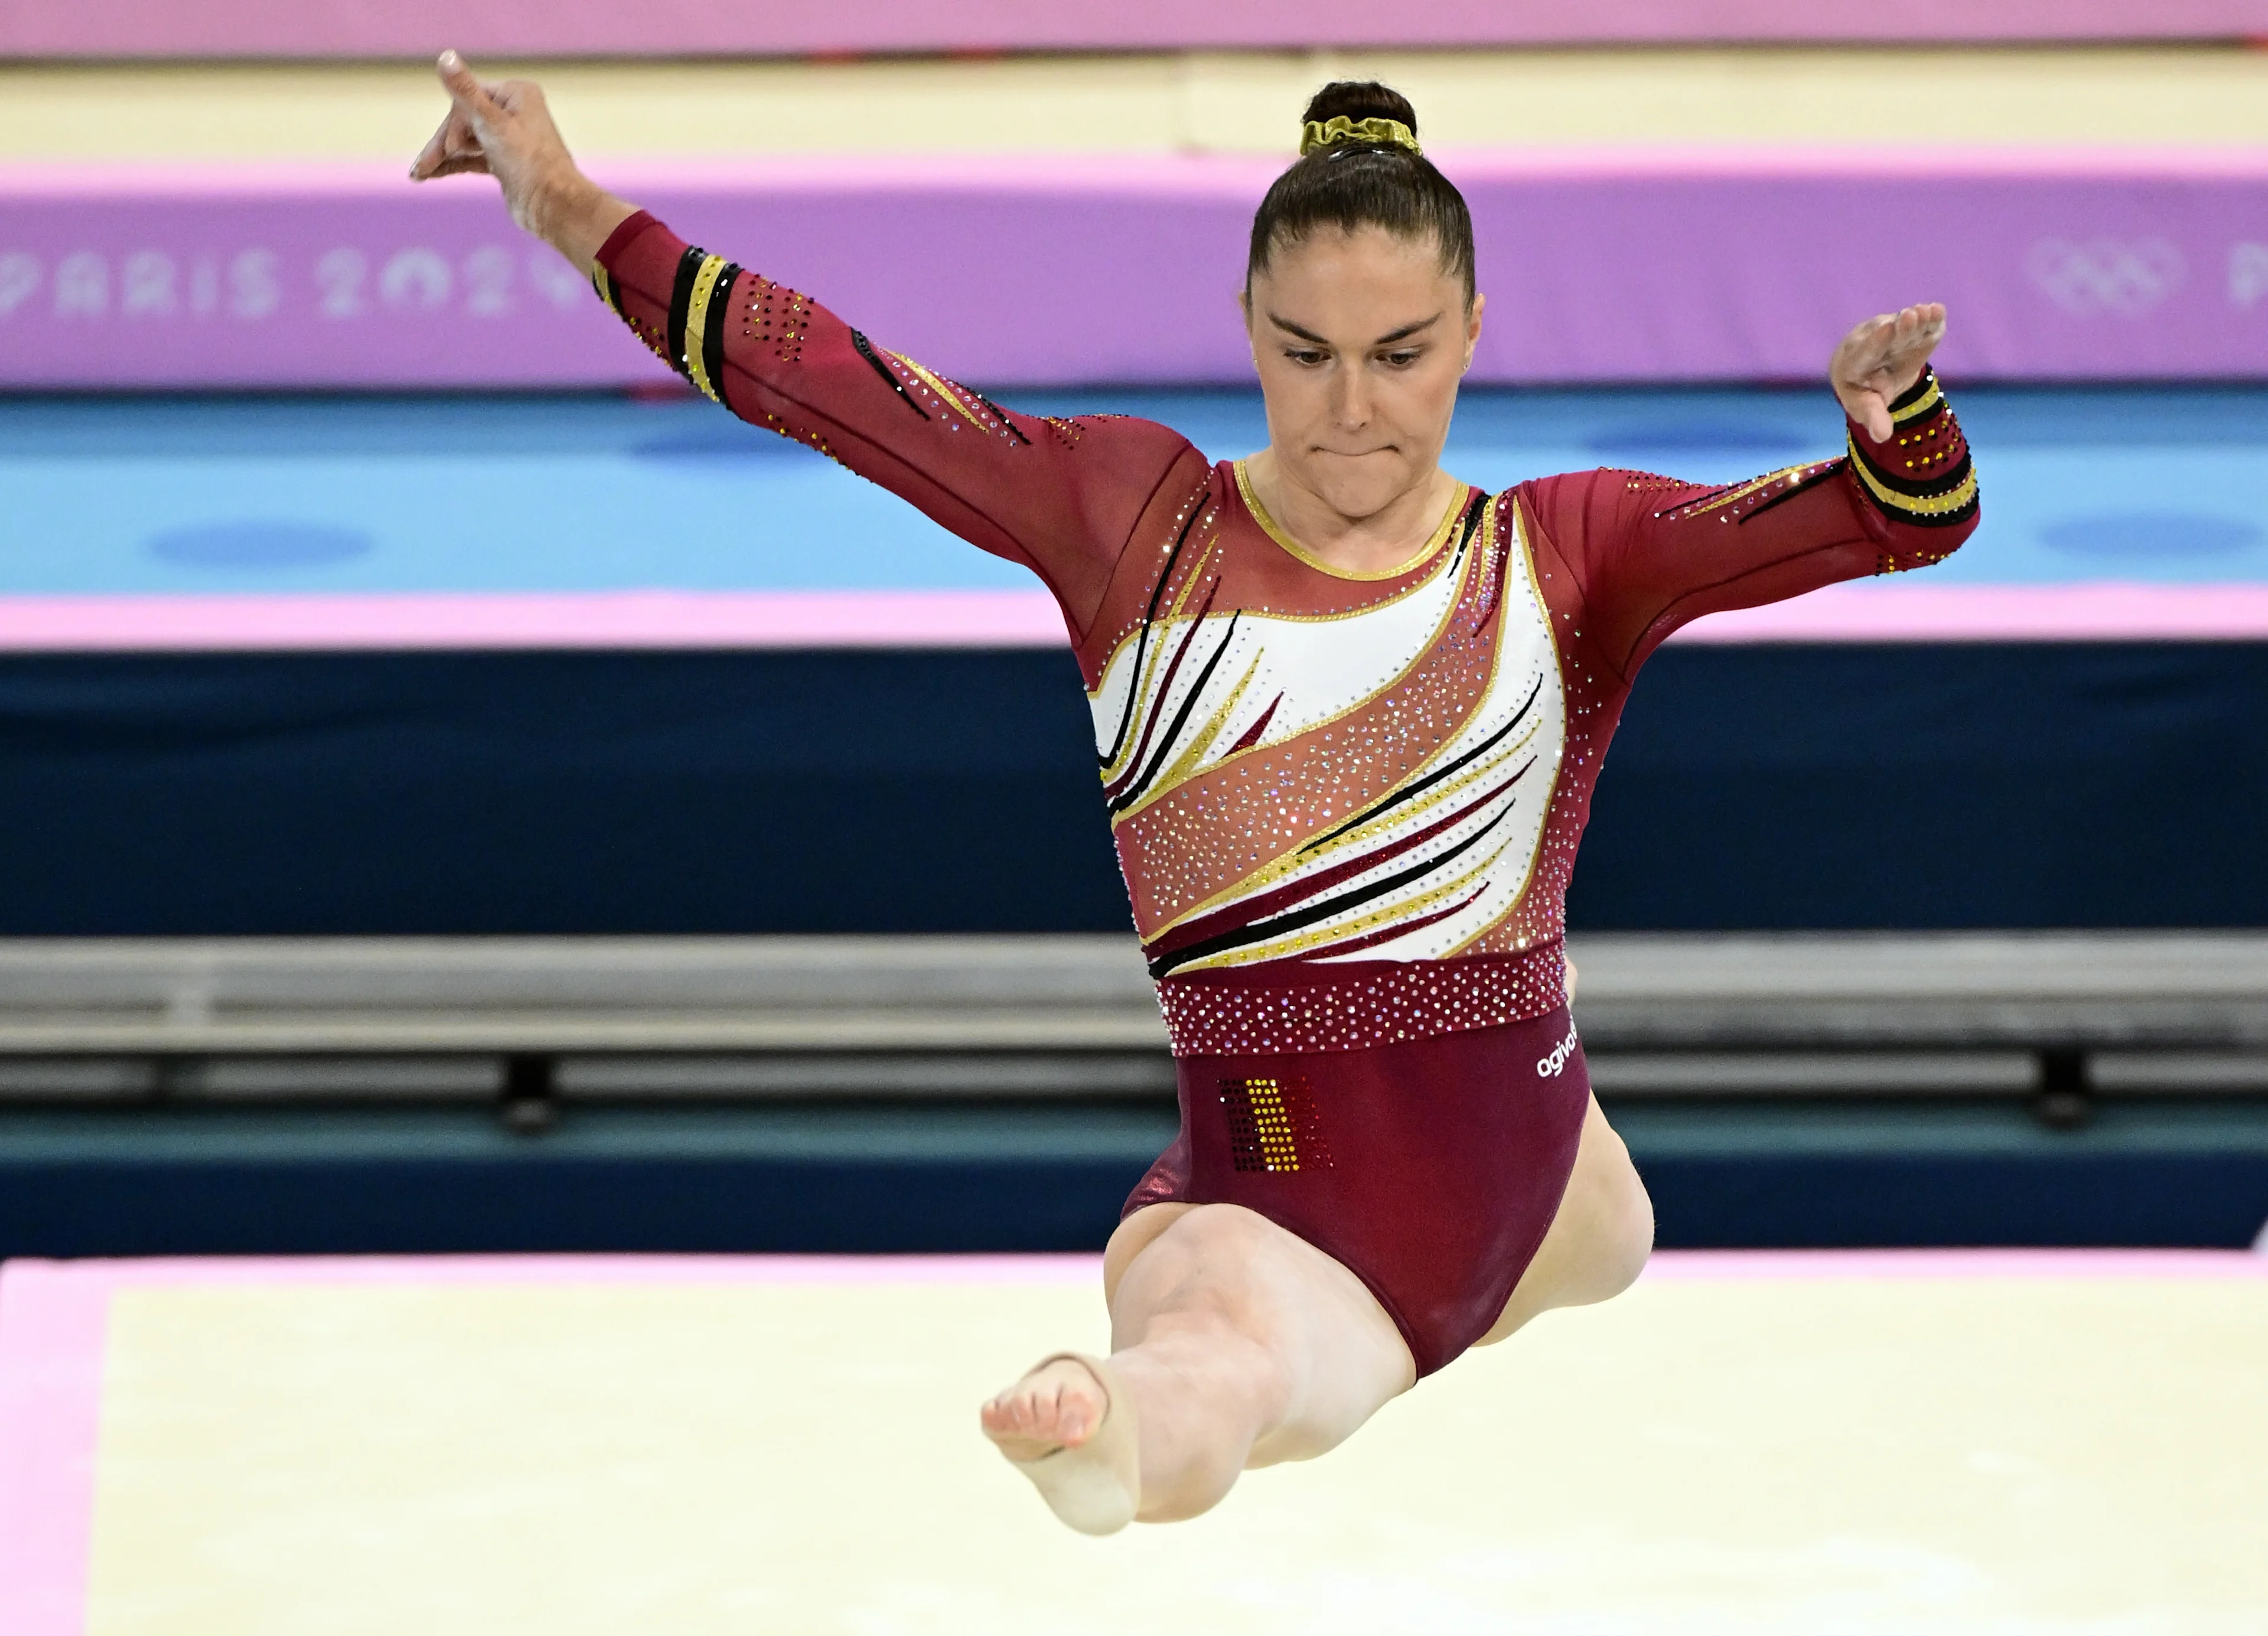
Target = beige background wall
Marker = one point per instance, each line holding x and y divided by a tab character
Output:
2150	97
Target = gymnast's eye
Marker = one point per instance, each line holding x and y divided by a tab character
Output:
1308	358
1402	357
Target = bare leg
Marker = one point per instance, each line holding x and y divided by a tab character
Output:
1240	1344
1598	1242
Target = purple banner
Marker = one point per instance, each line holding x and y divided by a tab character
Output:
356	28
1628	268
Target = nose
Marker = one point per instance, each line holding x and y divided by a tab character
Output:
1351	398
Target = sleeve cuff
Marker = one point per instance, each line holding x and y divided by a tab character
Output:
1920	474
619	240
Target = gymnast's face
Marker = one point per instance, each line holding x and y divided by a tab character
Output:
1360	339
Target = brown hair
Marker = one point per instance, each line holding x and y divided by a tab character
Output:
1356	183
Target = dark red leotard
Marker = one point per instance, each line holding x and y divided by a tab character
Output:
1346	806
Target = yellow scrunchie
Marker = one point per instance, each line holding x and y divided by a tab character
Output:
1329	133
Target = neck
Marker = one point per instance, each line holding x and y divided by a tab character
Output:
1372	544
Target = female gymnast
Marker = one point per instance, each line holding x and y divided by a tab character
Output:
1348	713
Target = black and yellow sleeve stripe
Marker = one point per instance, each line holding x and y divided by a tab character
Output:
699	304
1923	475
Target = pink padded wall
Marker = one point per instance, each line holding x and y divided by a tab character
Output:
239	28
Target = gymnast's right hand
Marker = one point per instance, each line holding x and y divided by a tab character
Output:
505	131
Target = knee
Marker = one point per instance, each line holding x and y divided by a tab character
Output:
1609	1217
1231	1245
1626	1226
1209	1276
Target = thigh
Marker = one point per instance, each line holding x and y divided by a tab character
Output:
1133	1235
1223	1269
1599	1239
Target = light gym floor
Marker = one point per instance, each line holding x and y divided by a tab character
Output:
1985	1444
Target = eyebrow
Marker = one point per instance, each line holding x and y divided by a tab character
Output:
1387	339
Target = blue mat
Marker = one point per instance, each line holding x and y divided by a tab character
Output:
583	493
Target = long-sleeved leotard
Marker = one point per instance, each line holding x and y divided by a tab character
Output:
1346	806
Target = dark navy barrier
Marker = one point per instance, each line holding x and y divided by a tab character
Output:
155	1182
1897	786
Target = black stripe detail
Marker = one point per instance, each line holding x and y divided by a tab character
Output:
865	349
681	303
718	317
1914	393
1825	471
1396	797
1928	519
1920	488
1000	415
1472	525
1715	499
1128	796
1292	920
1149	623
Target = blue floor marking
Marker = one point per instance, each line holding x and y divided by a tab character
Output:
157	494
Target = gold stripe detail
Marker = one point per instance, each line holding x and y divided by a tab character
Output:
1373	920
943	389
1414	588
1735	496
1200	745
604	284
1913	504
1556	678
1425	552
1273	1137
1166	626
1292	862
1488	536
1456	600
696	323
1289	865
1920	406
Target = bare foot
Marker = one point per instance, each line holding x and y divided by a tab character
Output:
1057	1405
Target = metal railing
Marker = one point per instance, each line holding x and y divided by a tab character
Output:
2058	1017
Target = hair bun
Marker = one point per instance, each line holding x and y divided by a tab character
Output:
1356	100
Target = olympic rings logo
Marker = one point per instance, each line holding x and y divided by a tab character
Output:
1549	1066
2248	275
2106	275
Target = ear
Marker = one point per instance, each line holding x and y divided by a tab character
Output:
1473	327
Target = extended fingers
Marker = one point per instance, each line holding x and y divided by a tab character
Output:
429	158
465	90
455	148
1919	329
1887	340
1925	319
450	140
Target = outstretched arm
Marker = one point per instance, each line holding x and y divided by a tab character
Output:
1064	498
1646	554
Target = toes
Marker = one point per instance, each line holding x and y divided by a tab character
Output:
1051	1407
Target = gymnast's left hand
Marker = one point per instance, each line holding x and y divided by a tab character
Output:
503	129
1878	363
